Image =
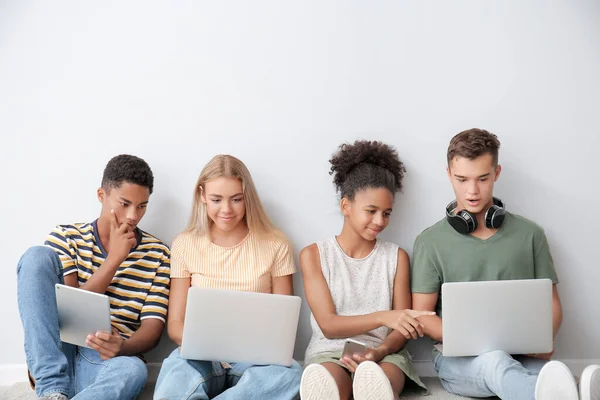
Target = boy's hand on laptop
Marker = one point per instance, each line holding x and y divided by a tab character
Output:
122	239
107	344
543	356
405	322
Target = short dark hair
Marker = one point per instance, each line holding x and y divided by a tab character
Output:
366	164
473	143
127	168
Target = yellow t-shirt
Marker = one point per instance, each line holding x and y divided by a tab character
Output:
248	266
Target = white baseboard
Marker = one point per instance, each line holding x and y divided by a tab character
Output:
577	366
15	373
153	370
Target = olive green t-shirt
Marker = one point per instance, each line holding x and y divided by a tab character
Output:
518	250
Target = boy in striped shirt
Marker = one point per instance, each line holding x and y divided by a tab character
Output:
110	256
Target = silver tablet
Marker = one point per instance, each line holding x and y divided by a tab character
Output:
80	313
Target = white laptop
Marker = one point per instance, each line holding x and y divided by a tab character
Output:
80	313
244	327
512	315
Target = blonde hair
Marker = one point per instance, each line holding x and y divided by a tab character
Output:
227	166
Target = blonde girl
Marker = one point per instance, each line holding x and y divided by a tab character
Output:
231	244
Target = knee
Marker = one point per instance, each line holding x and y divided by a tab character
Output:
133	371
172	360
130	369
497	360
38	259
175	366
495	355
175	354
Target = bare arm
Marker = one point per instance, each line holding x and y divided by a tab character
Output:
401	301
144	339
111	344
283	285
71	280
102	278
557	314
177	304
321	304
556	322
335	326
432	323
99	281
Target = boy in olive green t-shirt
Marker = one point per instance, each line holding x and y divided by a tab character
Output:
480	241
518	250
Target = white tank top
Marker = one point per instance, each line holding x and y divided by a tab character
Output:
358	287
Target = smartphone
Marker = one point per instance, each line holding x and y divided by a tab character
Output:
353	347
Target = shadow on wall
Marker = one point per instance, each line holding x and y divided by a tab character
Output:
175	209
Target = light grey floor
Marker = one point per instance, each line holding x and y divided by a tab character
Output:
21	391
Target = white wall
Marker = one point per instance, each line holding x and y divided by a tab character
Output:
280	85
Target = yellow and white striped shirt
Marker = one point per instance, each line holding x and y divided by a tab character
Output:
248	266
140	287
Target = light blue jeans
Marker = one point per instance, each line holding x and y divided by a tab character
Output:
181	379
495	373
62	367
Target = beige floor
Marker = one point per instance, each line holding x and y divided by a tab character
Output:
21	391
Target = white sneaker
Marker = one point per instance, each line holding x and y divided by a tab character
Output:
371	383
54	396
318	384
556	381
589	385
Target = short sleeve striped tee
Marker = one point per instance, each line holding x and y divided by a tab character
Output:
248	266
140	287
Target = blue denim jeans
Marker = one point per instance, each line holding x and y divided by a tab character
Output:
495	373
181	379
62	367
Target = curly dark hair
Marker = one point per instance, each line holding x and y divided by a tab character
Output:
473	143
366	164
127	168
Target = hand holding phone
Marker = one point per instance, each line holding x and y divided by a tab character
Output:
353	347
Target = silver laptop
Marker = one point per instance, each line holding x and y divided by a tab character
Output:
512	315
80	313
244	327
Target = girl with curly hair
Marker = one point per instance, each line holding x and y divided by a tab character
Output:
358	286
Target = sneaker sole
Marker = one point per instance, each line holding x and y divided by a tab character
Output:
318	384
371	383
589	391
567	373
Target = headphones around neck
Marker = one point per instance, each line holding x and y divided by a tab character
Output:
465	222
